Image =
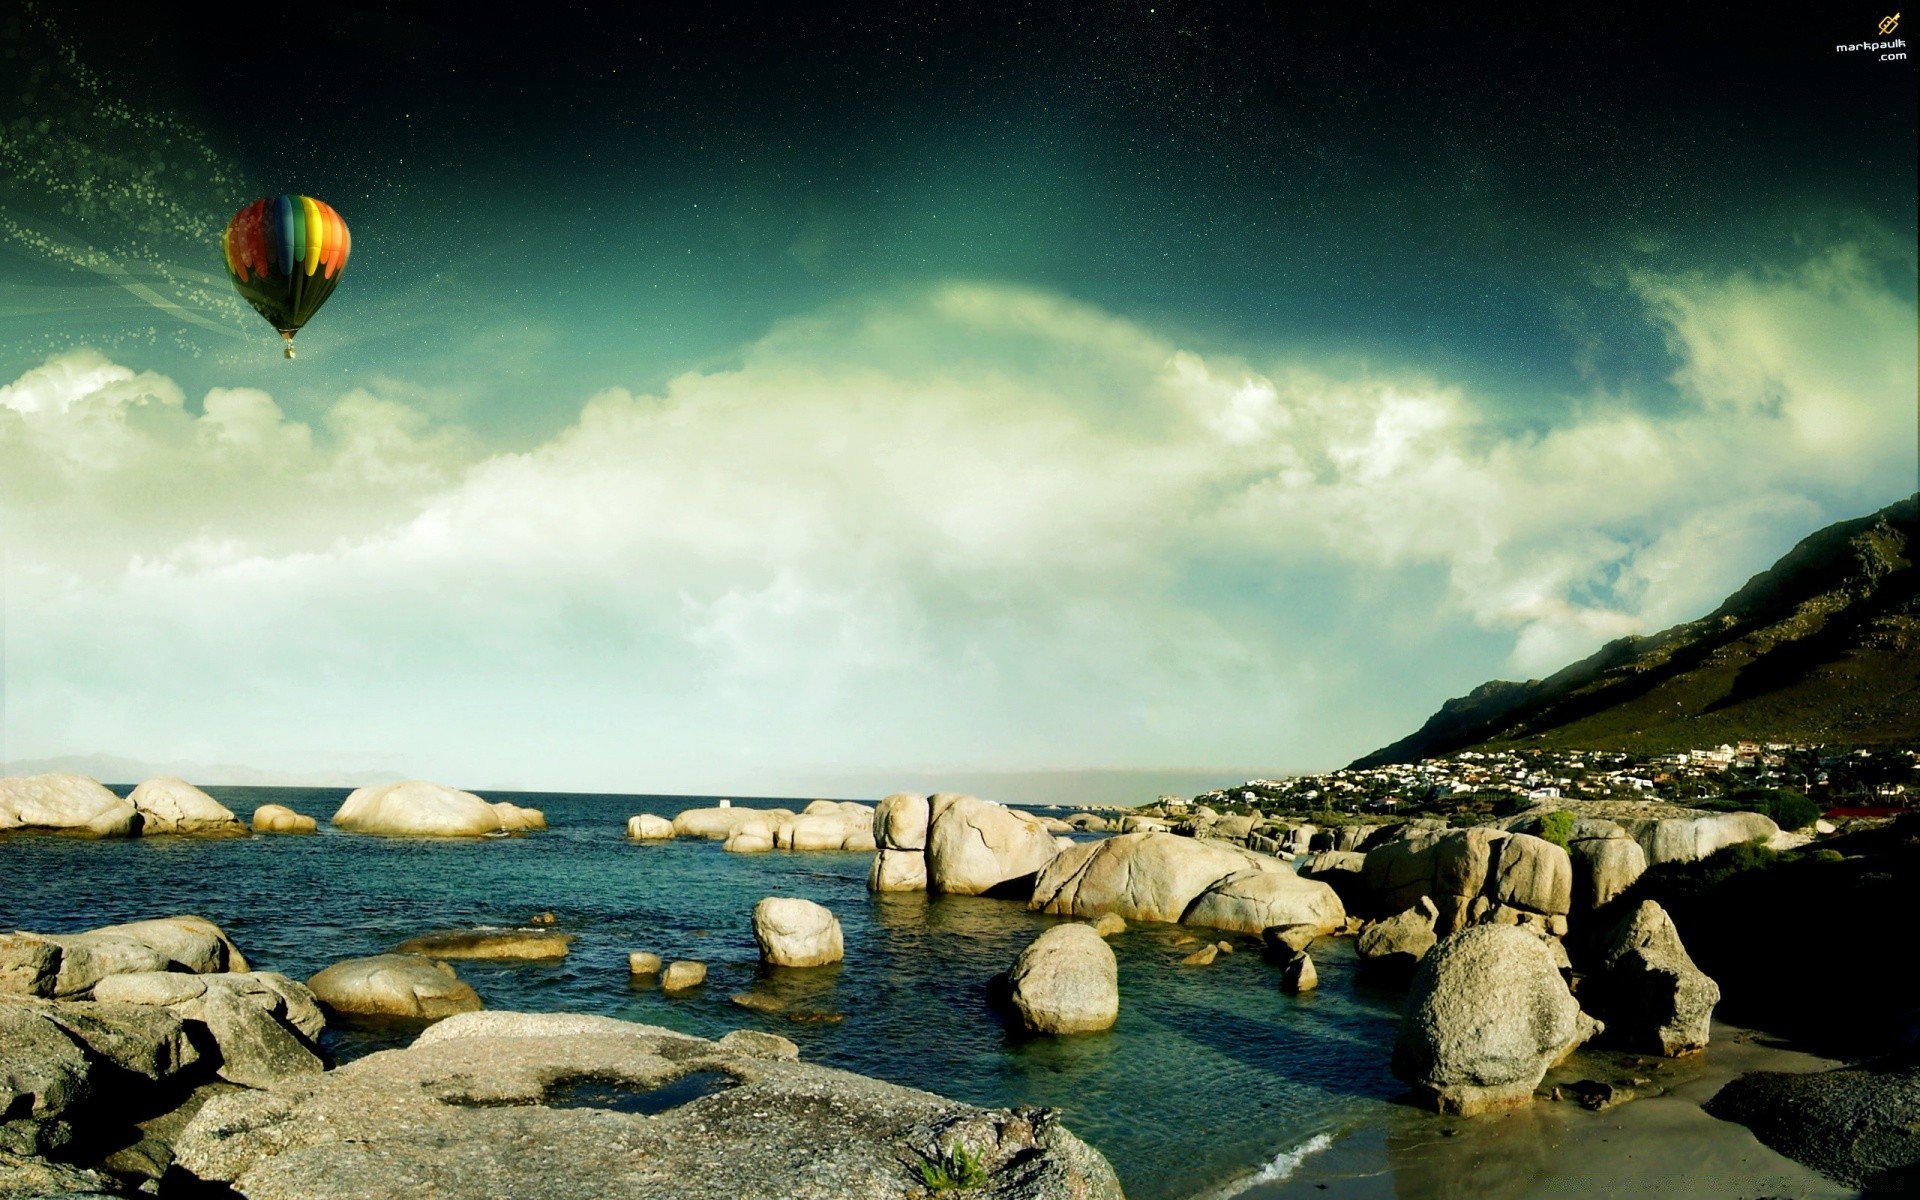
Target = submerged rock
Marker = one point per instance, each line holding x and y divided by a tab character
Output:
417	809
169	805
1487	1014
277	818
393	985
1066	981
454	1115
489	943
64	803
796	933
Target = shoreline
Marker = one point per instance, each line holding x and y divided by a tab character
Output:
1662	1146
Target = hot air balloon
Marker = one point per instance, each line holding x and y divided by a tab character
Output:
284	255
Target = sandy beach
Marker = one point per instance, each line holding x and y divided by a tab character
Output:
1659	1146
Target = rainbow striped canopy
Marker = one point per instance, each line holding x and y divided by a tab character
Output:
284	255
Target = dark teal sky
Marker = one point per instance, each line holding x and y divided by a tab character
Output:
726	398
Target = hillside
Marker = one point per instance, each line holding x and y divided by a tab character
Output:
1822	647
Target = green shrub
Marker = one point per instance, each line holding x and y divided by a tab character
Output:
956	1170
1790	810
1555	827
1826	854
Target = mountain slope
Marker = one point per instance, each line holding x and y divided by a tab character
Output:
1822	647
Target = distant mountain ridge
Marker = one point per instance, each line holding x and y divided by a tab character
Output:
1824	646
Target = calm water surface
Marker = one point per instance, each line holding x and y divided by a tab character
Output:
1210	1075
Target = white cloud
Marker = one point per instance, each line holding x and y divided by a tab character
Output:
982	525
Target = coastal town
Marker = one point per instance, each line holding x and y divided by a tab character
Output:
1839	781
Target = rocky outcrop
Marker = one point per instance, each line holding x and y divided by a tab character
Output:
1165	877
646	827
262	1024
417	809
718	824
1392	948
277	818
1487	1014
753	836
1860	1125
70	965
1647	990
169	805
1687	839
792	932
740	1119
975	846
828	825
62	803
393	985
533	944
1066	981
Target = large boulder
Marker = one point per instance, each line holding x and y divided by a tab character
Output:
898	871
900	822
393	985
43	1070
184	943
1687	839
1142	876
975	846
796	933
466	1111
1393	947
29	965
1256	899
1450	866
647	827
1487	1014
1647	989
829	825
278	818
417	809
169	805
1066	981
64	803
1603	867
1533	874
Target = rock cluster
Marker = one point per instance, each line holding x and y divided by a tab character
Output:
956	844
1166	877
421	809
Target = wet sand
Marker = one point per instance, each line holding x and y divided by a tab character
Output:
1659	1147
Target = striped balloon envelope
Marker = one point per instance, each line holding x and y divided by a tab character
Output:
284	255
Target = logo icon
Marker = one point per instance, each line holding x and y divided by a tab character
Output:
1889	24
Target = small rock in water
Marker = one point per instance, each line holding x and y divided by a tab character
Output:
816	1018
642	963
1298	974
759	1002
1290	939
545	918
1109	924
1185	939
1201	957
1225	947
679	976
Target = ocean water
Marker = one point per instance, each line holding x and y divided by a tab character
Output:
1213	1080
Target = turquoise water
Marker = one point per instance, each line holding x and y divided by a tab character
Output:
1210	1075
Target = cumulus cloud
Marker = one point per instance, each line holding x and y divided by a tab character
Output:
974	525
